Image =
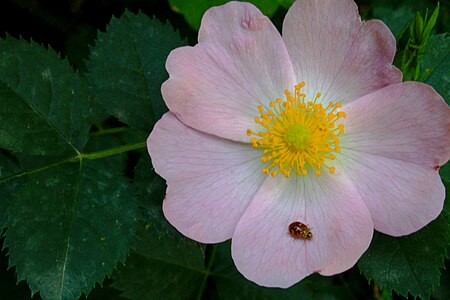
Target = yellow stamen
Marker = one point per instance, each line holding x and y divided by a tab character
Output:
298	136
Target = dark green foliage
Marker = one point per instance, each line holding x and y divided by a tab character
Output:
411	42
69	219
166	265
394	19
126	68
409	264
8	166
193	10
45	105
68	226
436	64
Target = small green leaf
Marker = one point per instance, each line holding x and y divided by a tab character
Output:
409	264
436	64
68	226
44	105
418	27
166	265
127	68
193	10
430	25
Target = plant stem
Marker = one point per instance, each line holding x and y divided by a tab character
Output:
80	156
108	131
207	272
113	151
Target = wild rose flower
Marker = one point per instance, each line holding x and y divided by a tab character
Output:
297	146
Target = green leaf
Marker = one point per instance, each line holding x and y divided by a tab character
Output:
436	65
99	142
444	171
395	19
193	10
8	166
286	3
69	219
418	27
166	265
9	289
430	24
409	264
443	291
127	68
44	105
68	226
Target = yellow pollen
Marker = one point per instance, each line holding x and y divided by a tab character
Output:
299	136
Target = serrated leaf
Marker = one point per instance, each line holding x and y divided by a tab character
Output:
409	264
443	291
44	105
69	219
68	226
9	289
193	10
8	166
127	68
436	64
166	265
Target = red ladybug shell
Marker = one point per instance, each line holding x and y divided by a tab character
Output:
298	230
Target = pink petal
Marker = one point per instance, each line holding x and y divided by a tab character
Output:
337	54
210	180
402	197
395	140
239	63
264	251
407	121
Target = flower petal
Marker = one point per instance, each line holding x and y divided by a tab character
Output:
402	197
240	62
210	180
342	228
407	121
337	54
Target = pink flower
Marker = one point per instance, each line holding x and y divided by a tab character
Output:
313	127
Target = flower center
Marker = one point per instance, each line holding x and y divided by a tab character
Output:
299	135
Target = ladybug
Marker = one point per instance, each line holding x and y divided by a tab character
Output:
299	230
